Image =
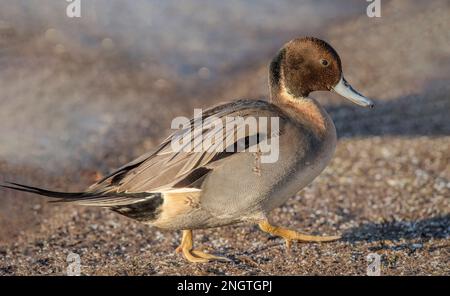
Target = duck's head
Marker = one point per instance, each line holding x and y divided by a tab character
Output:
309	64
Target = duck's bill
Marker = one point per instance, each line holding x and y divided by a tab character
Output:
346	90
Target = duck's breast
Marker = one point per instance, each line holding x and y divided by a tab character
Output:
313	156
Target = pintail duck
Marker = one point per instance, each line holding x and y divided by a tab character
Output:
186	190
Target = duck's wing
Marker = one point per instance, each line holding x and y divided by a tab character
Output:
136	189
168	169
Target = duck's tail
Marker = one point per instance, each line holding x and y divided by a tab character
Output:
61	196
142	206
97	198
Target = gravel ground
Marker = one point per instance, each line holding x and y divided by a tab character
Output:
67	118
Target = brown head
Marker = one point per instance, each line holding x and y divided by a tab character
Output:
309	64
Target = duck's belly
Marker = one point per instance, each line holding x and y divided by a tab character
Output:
302	174
237	191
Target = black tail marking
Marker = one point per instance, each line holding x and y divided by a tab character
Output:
144	211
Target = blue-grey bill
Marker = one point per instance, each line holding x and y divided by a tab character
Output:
346	90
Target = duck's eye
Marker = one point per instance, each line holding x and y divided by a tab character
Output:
324	62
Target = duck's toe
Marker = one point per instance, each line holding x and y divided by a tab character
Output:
195	256
210	257
291	235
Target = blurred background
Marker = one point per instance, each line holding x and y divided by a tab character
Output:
81	96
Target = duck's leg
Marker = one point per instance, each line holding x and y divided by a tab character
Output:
196	256
290	235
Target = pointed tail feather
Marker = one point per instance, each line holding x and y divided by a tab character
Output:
48	193
94	198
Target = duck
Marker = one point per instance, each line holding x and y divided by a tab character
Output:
186	190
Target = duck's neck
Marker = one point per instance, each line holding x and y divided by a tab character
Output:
305	111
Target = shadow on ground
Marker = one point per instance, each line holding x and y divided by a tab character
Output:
430	228
423	114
